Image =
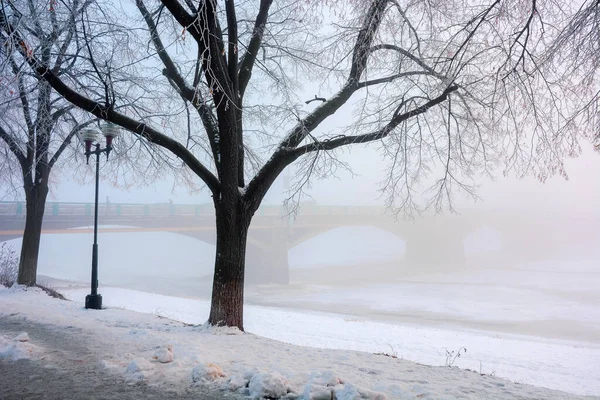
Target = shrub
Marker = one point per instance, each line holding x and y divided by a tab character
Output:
9	265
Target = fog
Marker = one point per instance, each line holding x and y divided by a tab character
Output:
548	289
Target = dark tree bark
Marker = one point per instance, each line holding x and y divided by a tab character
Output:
228	282
35	197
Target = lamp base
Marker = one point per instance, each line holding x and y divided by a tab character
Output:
93	301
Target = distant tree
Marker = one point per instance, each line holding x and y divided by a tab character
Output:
448	89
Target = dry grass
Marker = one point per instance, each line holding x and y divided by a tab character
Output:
51	291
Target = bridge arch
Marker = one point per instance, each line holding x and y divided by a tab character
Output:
343	245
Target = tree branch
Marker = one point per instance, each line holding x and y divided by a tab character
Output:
391	78
187	93
67	141
26	109
379	134
14	147
232	41
184	18
282	157
137	127
249	57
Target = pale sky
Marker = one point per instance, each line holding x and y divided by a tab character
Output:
581	193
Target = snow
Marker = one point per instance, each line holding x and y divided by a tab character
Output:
235	383
351	392
22	337
16	348
137	370
536	323
125	342
212	372
268	385
105	227
164	355
478	303
556	364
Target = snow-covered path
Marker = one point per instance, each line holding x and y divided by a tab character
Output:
117	338
69	370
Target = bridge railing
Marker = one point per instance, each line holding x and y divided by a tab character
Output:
57	209
12	208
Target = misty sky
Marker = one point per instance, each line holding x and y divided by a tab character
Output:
580	193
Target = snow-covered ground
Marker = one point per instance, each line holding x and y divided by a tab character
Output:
536	323
563	365
144	347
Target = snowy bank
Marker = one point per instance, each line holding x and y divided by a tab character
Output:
127	343
556	364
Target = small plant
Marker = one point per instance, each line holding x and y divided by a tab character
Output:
452	356
492	374
386	355
391	354
9	265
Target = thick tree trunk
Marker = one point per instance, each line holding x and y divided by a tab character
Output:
227	304
35	204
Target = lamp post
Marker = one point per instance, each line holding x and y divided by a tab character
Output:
110	131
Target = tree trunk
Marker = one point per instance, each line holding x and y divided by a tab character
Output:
35	203
227	303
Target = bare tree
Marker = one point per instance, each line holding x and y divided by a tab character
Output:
575	53
37	126
448	89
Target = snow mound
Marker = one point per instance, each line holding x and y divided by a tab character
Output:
136	366
137	370
236	382
220	330
316	392
209	372
324	378
164	355
351	392
16	349
268	385
110	365
22	337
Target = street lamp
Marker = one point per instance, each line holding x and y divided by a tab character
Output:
110	131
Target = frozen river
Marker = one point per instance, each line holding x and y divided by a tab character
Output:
350	272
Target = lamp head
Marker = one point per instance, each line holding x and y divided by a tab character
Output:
88	136
110	131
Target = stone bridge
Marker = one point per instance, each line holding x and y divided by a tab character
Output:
433	241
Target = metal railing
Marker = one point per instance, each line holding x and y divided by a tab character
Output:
167	209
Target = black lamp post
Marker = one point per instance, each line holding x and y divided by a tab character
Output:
110	131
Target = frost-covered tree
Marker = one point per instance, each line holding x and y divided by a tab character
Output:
447	89
37	126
